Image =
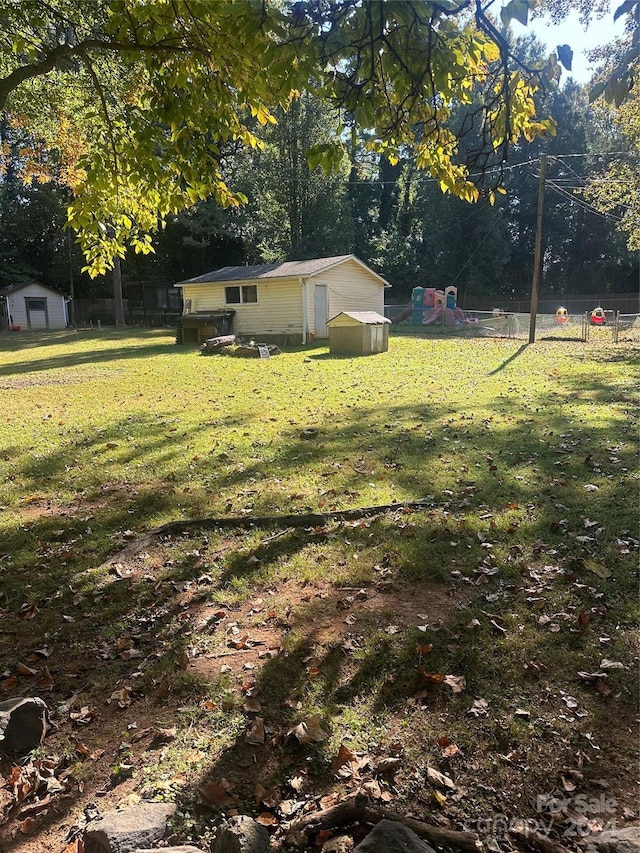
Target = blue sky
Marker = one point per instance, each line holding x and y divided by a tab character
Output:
571	32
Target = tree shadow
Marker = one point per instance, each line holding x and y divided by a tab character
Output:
59	564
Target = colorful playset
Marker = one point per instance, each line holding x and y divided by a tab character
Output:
429	306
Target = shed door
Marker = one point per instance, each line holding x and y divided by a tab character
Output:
377	338
37	313
320	303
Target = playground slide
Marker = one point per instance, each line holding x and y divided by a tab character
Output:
406	312
434	315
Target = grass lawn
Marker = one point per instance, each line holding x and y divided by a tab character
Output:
489	635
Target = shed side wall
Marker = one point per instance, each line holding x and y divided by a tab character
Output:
278	310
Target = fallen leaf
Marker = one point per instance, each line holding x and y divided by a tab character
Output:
309	730
297	783
372	789
583	619
439	780
479	708
28	611
23	669
122	697
217	794
345	763
597	568
84	716
255	733
269	797
430	678
27	825
457	683
266	819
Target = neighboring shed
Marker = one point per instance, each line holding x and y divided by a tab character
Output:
289	302
358	333
31	305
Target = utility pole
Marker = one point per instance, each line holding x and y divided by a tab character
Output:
537	259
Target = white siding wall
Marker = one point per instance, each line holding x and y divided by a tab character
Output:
350	288
277	311
56	309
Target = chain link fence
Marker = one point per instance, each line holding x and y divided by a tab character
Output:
504	324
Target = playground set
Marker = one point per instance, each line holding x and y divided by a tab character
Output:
437	309
428	306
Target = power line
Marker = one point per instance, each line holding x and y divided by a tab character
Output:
581	203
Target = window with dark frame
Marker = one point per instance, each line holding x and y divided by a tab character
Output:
240	295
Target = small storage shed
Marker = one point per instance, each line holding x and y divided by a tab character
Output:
358	333
31	305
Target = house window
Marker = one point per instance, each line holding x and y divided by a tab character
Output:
36	304
241	294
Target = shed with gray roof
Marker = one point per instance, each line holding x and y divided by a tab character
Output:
30	305
285	303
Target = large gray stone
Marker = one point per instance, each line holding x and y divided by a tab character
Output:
23	723
625	840
389	836
240	834
129	829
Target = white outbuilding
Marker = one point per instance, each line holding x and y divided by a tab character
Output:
29	305
287	303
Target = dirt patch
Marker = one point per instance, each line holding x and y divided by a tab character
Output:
189	689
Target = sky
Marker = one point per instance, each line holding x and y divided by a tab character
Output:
572	33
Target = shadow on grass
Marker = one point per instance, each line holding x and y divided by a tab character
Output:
511	358
81	615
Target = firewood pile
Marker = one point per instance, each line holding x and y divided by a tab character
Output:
234	345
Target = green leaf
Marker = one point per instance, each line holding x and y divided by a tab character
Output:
627	6
565	55
519	9
505	16
596	91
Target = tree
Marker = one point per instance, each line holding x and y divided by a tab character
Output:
173	83
294	211
614	189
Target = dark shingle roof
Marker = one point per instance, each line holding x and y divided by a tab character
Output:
12	288
289	269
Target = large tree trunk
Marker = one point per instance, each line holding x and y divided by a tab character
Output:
118	302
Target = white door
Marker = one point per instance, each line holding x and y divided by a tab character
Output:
377	338
37	313
320	304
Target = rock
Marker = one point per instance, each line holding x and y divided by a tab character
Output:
389	836
129	829
240	834
23	723
342	844
615	841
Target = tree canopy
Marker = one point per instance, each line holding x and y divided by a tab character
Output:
139	100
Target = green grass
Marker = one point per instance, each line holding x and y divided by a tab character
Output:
526	457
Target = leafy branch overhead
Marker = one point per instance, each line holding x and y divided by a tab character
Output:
135	105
